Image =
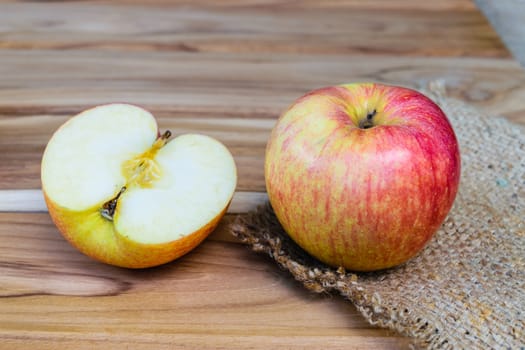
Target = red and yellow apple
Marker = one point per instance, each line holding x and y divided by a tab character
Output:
125	195
362	175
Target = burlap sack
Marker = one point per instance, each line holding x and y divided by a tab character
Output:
466	289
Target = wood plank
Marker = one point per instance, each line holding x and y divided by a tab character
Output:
234	98
219	294
451	5
229	85
28	200
401	29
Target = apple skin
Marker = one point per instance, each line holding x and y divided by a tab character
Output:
362	195
97	238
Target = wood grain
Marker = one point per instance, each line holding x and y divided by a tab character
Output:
400	27
234	98
226	69
218	296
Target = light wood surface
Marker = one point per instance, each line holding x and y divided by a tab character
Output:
226	69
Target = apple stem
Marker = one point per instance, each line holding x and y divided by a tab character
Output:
161	141
368	122
108	209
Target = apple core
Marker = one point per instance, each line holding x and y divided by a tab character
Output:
143	170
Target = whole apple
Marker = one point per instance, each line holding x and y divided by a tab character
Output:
362	175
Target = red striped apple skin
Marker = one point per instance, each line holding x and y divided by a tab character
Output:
362	175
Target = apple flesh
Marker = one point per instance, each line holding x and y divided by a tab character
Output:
362	175
128	197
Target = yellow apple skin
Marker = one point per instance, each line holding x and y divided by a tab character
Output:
96	237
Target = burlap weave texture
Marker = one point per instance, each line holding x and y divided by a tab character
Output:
466	289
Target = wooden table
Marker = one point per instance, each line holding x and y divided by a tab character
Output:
226	69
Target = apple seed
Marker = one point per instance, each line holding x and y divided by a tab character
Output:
108	209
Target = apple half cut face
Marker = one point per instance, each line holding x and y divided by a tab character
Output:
126	196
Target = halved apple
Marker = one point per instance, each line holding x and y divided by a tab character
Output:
126	196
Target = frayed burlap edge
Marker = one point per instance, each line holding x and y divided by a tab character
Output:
466	289
260	231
